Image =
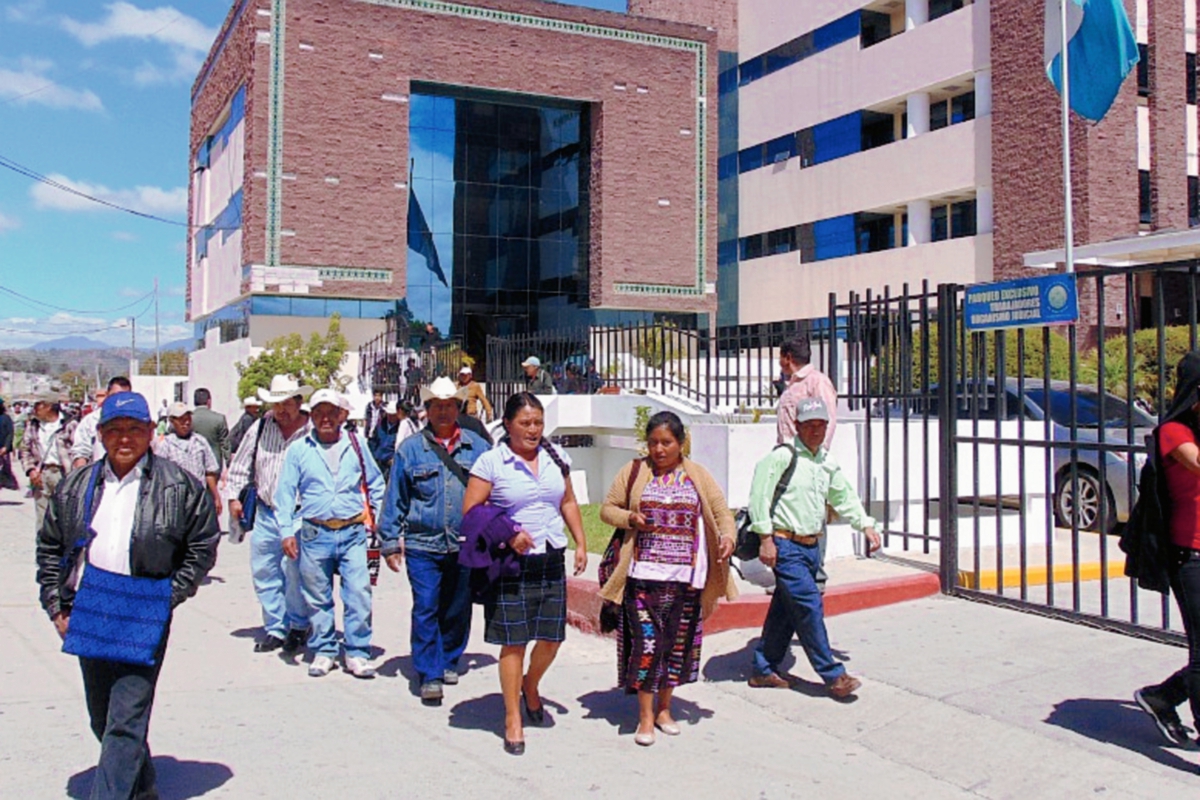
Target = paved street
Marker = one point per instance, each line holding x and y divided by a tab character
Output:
959	700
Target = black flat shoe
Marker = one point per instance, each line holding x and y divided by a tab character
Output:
268	644
295	640
536	715
514	748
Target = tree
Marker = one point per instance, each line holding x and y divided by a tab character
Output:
314	363
174	362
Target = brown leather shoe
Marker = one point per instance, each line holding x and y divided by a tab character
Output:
768	681
844	686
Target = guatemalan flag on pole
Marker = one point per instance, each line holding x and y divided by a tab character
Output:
1101	52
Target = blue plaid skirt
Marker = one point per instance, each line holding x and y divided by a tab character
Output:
531	606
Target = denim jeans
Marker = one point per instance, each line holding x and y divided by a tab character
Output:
276	577
796	607
1184	685
441	613
119	700
324	552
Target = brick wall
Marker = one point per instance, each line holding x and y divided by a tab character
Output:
1168	106
337	126
722	15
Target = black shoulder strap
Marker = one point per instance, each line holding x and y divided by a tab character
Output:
262	423
452	465
785	478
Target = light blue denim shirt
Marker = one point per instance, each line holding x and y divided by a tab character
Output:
533	502
424	499
306	476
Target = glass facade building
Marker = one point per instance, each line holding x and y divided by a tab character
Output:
498	213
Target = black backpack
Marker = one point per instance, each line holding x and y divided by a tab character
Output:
748	541
1144	540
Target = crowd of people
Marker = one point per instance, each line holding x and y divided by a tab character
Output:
471	518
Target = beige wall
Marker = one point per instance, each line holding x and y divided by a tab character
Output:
953	159
846	78
357	331
764	24
780	287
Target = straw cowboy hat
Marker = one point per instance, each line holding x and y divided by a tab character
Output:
283	387
443	389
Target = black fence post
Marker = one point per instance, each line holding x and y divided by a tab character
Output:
947	313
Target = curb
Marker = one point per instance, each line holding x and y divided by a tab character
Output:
583	602
1036	575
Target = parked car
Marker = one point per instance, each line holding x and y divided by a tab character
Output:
1120	416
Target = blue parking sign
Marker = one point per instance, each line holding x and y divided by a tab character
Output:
1022	303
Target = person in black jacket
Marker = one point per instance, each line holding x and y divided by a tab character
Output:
252	410
1168	554
7	479
150	519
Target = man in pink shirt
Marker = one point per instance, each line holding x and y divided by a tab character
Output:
804	381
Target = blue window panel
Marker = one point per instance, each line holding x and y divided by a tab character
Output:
781	149
308	306
270	306
837	138
727	81
727	252
376	309
834	237
349	309
237	109
750	158
751	71
202	243
840	30
727	166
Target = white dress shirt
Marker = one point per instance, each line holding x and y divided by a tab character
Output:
46	434
113	520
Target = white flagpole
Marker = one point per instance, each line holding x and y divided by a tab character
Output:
1068	211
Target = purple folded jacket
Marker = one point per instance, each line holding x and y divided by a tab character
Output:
483	544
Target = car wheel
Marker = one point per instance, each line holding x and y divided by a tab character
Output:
1089	502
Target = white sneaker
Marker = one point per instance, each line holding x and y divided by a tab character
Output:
359	667
321	666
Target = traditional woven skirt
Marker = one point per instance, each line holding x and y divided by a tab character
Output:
658	640
531	606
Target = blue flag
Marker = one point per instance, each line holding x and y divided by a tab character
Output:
1101	49
420	238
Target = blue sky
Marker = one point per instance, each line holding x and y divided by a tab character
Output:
94	95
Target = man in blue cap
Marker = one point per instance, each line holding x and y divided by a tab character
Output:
149	519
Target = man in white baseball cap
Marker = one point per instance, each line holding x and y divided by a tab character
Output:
340	489
537	380
475	402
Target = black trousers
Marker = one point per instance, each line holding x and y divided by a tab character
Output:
119	700
1185	584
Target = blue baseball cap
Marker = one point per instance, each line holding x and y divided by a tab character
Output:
128	405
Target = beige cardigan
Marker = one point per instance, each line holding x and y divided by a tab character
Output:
718	522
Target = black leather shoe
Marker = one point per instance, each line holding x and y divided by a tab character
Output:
536	715
514	748
295	640
268	644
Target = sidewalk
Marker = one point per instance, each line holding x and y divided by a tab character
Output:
958	700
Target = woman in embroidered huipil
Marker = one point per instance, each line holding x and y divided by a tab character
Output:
673	568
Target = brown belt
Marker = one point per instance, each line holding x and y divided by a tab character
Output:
808	540
336	524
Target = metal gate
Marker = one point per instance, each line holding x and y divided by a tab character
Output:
1045	431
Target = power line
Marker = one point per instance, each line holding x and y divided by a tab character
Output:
27	172
53	307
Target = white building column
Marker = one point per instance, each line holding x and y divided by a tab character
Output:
918	114
916	12
983	93
983	210
920	223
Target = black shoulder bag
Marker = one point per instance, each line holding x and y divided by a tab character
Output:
747	540
248	496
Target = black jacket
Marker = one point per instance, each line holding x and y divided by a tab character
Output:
239	431
1146	541
175	533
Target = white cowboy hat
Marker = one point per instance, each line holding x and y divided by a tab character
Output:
391	407
329	396
251	402
283	387
442	389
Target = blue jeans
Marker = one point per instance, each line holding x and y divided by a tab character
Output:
276	577
441	613
796	607
324	552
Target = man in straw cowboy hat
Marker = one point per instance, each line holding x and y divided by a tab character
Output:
276	577
339	488
421	520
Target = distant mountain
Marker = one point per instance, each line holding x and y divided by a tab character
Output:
71	343
186	345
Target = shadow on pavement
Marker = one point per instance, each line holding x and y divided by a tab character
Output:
247	633
735	666
480	714
619	709
11	503
1116	722
177	780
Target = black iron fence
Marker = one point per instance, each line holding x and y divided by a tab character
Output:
386	363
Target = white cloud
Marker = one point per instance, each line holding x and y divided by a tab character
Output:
8	223
33	86
24	12
124	236
165	25
147	199
176	291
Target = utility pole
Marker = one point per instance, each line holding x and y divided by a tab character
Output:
157	354
132	342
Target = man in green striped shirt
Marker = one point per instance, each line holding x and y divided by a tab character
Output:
791	529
